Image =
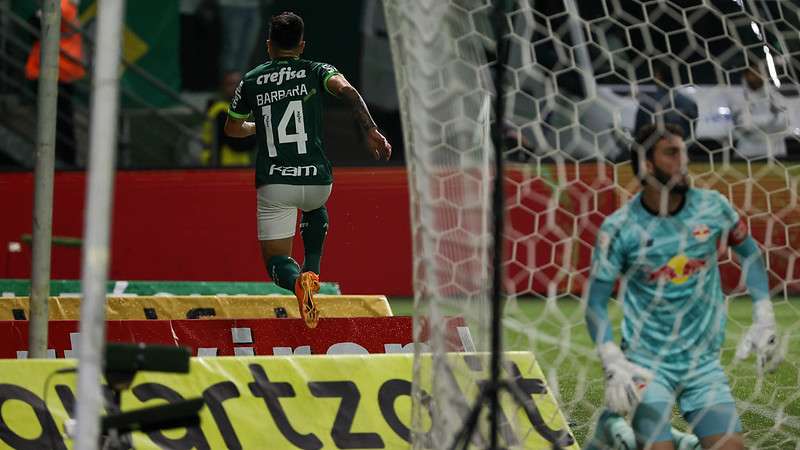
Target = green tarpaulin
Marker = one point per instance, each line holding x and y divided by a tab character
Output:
22	288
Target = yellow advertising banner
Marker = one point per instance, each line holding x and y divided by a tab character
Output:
309	402
198	307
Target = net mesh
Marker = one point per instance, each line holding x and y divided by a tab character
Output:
576	74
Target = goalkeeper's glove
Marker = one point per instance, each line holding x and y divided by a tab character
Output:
624	379
762	339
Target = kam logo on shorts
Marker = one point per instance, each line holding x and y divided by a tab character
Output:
293	171
678	270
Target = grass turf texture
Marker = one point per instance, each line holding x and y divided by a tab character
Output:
562	346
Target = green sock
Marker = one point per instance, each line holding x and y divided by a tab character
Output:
284	271
313	229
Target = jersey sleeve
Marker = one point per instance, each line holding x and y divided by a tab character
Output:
239	109
608	258
732	223
324	72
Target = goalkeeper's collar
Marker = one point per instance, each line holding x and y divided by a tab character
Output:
673	213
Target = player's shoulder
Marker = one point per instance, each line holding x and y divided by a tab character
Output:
316	65
617	222
623	214
254	73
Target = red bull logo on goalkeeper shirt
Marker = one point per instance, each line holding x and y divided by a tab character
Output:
678	270
701	232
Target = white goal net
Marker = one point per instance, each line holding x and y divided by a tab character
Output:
575	76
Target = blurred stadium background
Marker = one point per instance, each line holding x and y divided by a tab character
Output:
184	214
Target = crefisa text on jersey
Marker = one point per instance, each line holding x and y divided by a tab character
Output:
285	74
277	78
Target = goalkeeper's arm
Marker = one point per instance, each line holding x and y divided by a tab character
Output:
597	311
623	378
762	337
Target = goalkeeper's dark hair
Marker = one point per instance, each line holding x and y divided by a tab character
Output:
286	30
646	139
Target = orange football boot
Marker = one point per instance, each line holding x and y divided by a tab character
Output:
305	287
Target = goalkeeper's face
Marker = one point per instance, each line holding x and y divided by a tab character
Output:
668	166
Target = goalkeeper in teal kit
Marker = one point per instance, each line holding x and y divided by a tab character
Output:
284	95
662	246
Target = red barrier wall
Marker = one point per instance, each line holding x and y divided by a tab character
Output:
201	225
222	337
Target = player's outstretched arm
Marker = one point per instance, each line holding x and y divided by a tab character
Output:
624	379
597	311
239	128
762	337
377	143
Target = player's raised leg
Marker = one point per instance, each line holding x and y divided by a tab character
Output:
277	217
285	272
314	225
280	266
313	229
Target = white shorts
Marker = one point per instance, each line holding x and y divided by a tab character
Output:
278	205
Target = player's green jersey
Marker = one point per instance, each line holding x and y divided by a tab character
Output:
285	98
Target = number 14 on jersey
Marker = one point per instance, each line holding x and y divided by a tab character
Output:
294	111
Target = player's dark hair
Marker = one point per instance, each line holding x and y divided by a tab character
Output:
286	30
646	139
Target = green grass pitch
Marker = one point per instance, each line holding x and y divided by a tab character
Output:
769	407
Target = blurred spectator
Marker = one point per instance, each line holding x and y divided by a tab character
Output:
518	148
241	23
377	77
200	44
665	104
578	125
70	70
221	149
759	117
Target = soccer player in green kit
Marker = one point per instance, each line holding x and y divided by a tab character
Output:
663	245
284	96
